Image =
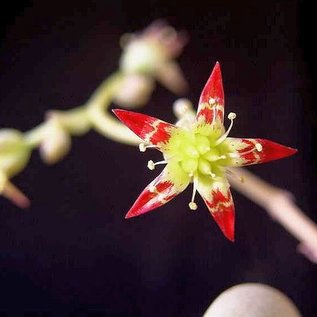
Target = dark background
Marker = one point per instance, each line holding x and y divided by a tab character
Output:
72	251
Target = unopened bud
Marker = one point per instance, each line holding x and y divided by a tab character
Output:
14	153
152	52
141	56
135	91
56	143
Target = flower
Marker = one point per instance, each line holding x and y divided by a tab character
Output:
200	154
152	53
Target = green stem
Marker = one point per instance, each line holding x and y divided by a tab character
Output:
74	121
104	122
94	114
35	136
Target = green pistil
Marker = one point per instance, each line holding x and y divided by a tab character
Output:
195	152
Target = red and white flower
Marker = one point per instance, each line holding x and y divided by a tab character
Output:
200	155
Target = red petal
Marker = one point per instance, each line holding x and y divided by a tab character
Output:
222	209
160	191
218	199
248	153
150	129
211	102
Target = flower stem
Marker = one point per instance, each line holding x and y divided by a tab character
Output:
34	136
101	119
281	207
94	114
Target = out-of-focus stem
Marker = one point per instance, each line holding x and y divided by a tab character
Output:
280	206
35	136
104	122
95	113
75	121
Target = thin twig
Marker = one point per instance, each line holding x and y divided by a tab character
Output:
281	207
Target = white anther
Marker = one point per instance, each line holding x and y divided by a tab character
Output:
213	175
192	205
259	147
151	165
142	147
211	101
232	115
222	157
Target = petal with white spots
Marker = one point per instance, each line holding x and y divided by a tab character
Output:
211	102
149	129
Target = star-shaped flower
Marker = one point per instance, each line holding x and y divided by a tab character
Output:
200	155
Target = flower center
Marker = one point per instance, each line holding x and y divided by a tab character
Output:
200	151
197	155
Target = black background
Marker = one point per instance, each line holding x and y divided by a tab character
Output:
72	251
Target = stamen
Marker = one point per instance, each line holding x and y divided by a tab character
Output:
213	175
151	165
192	205
211	101
231	117
143	147
214	157
259	147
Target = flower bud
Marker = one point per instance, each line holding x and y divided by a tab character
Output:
152	52
14	153
56	142
135	91
142	56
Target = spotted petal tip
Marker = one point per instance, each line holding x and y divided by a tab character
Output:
218	199
213	88
160	191
149	129
222	210
211	102
274	151
225	220
256	151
